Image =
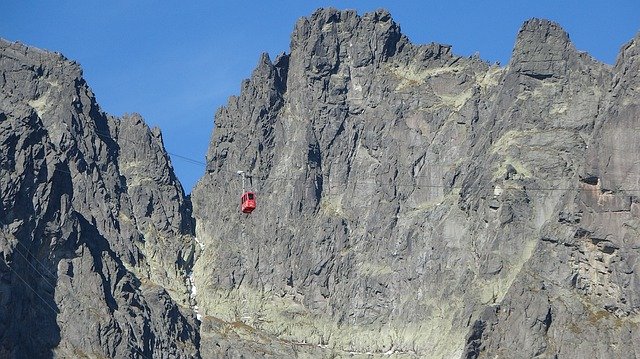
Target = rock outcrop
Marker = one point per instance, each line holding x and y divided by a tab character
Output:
416	203
96	233
411	203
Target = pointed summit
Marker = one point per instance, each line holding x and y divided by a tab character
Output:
542	49
629	54
330	34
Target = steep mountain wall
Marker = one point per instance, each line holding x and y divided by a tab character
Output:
411	203
416	203
95	231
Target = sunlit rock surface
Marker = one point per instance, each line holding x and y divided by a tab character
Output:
96	234
415	203
412	203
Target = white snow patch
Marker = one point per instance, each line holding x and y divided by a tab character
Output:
193	290
199	243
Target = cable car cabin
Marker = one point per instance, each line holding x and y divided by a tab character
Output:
248	202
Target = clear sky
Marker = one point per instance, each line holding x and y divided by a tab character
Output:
176	62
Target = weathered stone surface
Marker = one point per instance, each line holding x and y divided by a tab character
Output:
416	203
93	223
411	203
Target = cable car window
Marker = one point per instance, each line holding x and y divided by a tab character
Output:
250	195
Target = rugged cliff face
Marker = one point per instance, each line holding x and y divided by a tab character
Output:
412	202
96	234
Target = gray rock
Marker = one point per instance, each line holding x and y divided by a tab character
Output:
411	203
93	223
416	203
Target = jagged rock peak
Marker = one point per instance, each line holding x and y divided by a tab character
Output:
323	16
322	35
93	202
23	51
629	52
545	27
16	57
383	162
542	49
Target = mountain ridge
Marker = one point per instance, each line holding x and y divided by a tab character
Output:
388	161
77	246
411	203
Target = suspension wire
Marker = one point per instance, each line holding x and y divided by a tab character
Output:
33	290
282	179
185	158
624	192
419	186
56	312
34	267
523	268
396	184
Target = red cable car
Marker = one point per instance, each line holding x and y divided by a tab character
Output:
248	202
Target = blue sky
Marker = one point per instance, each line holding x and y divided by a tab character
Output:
176	62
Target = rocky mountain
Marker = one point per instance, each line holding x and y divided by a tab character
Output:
416	203
412	203
96	233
